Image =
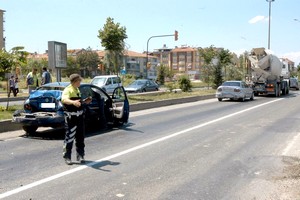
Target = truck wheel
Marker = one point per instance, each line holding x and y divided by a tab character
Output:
277	91
284	91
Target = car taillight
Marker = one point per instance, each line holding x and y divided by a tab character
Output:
270	85
27	107
219	89
236	90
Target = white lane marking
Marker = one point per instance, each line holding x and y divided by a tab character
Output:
48	179
290	145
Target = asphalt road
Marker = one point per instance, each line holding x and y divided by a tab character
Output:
202	150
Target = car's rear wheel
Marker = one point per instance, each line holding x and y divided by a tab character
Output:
30	129
220	99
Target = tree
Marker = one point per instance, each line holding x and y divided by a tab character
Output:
225	58
72	67
234	73
215	62
10	60
162	73
218	78
88	61
207	70
6	61
35	63
112	38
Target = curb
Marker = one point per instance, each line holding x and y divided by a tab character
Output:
8	125
5	99
156	104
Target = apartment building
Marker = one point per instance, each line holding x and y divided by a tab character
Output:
180	60
2	38
163	55
288	64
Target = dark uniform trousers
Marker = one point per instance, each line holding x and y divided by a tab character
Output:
74	128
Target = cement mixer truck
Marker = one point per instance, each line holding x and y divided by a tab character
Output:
269	75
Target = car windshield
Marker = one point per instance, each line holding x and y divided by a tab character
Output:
138	82
99	81
231	84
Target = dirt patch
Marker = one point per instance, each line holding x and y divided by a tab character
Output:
288	184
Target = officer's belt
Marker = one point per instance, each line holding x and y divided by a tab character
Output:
74	113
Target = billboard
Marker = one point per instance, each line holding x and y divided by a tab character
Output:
57	54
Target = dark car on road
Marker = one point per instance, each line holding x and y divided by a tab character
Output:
43	107
142	85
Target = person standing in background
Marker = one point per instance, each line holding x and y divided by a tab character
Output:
46	76
16	86
32	80
11	86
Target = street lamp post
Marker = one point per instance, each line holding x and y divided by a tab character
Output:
270	1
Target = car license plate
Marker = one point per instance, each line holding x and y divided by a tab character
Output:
47	105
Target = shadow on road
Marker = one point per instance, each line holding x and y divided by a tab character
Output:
98	165
59	133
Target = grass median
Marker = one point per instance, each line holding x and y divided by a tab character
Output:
7	114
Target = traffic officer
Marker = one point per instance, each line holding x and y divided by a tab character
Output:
73	113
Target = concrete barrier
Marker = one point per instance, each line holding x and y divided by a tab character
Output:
8	125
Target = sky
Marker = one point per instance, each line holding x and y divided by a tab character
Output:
231	24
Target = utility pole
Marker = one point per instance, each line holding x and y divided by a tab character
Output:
270	1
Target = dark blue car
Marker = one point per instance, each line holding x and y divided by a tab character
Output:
43	107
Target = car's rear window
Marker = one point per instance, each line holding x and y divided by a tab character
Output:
98	81
231	84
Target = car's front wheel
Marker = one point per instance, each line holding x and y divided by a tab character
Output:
30	129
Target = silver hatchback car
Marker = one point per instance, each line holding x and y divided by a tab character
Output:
234	90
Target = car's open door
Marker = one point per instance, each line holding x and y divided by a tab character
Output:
120	105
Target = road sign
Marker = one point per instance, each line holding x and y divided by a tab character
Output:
123	71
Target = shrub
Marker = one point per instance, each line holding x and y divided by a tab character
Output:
185	83
171	86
